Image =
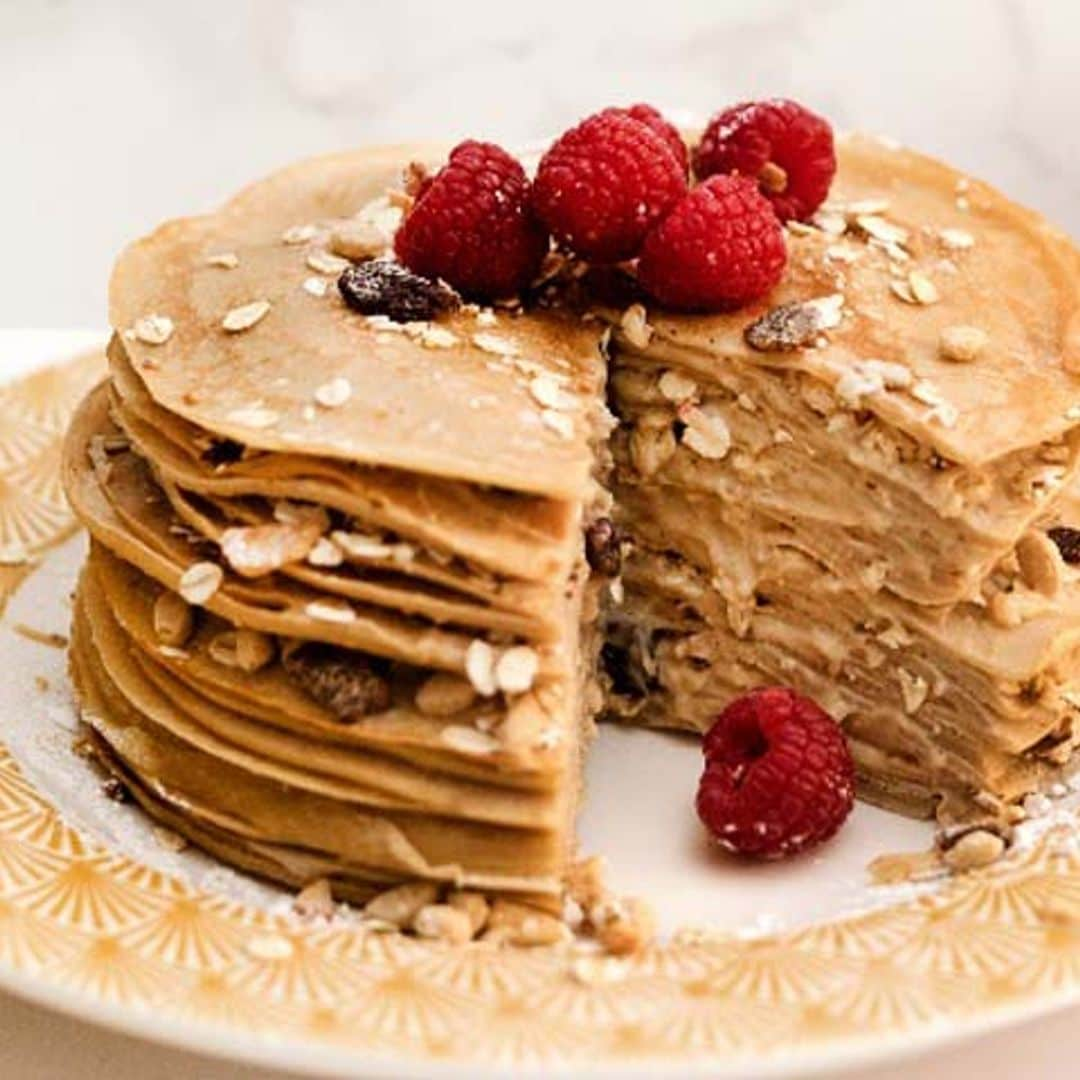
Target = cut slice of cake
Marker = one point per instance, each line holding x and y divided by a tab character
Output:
823	491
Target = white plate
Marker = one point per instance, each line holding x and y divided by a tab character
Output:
806	967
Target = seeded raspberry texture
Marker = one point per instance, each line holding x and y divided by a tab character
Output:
653	118
787	148
604	183
473	226
719	248
778	776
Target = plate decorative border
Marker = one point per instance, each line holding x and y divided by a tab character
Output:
103	934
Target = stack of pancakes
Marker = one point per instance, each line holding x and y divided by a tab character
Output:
337	619
865	516
331	620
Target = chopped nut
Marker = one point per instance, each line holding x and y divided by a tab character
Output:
333	611
558	422
516	669
922	288
153	329
707	432
248	650
677	388
468	740
880	229
168	839
333	393
315	900
913	689
546	390
245	316
347	683
325	553
441	922
322	262
962	344
635	326
256	550
438	337
225	260
358	240
444	694
173	619
624	926
1040	563
316	286
480	667
400	905
495	344
587	881
974	849
199	582
474	905
298	234
518	924
957	239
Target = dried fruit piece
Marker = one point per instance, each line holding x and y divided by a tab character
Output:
794	326
1068	542
778	776
348	684
387	288
603	547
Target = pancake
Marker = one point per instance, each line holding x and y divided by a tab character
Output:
396	522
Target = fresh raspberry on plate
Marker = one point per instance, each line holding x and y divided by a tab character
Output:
784	146
778	775
604	183
472	225
719	248
653	118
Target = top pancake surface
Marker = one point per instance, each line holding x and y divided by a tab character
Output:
466	413
1019	281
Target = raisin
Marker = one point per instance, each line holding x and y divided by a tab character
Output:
348	684
784	328
1068	542
380	287
223	452
603	547
115	789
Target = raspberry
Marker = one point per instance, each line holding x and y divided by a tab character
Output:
778	775
653	118
719	248
605	182
786	148
472	225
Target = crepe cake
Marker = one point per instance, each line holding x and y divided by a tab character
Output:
849	491
337	620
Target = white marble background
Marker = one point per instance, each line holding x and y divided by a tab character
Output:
117	113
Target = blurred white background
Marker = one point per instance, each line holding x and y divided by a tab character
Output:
118	113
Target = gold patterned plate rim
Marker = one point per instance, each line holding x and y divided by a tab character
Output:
95	933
